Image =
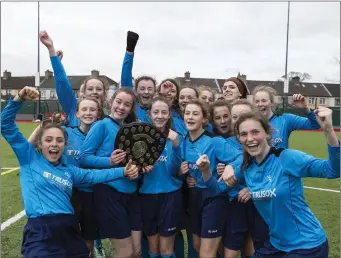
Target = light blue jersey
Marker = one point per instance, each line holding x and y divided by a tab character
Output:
127	81
46	188
283	125
164	176
65	93
97	148
276	188
217	150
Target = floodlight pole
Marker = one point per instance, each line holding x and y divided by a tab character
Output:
286	80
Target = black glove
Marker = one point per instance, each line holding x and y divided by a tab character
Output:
132	39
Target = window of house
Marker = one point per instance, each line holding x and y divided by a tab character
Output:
337	102
53	94
312	100
43	94
322	101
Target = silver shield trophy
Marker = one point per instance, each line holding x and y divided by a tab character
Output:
142	142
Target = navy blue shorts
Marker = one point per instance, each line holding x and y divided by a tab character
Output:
236	226
207	214
117	213
242	219
87	216
161	213
269	251
53	236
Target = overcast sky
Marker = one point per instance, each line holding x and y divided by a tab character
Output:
211	40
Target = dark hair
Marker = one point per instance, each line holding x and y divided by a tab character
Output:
259	117
175	104
169	124
144	78
204	109
100	108
240	85
45	125
219	103
132	115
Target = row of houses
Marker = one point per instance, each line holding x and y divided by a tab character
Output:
11	84
327	94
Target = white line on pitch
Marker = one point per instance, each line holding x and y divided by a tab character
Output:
21	214
12	220
322	189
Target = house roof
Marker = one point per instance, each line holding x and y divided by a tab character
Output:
198	82
306	89
333	88
19	82
16	83
76	82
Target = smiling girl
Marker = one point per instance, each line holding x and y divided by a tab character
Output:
203	204
46	181
117	204
160	191
274	178
245	230
94	86
283	125
233	89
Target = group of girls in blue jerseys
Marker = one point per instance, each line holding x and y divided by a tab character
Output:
226	183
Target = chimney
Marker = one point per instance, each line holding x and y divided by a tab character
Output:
7	75
48	74
95	73
187	76
242	77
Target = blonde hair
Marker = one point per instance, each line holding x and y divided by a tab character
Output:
271	91
202	88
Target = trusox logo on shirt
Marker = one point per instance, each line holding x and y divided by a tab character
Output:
264	194
162	158
73	152
58	181
192	166
277	140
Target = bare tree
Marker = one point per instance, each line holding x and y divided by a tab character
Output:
298	76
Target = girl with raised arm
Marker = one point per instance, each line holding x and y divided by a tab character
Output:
283	125
46	181
93	86
274	178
